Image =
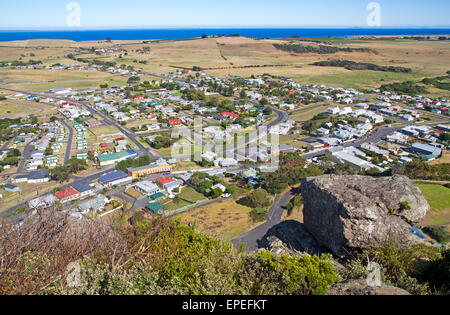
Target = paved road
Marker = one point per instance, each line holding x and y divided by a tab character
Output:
27	154
131	135
69	142
374	137
250	239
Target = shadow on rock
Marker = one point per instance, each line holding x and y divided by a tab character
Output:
290	236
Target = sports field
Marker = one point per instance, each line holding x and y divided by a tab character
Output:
438	197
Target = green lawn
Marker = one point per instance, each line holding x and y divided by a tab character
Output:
188	197
306	114
438	197
190	194
359	78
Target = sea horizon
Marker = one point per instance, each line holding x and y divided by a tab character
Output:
79	35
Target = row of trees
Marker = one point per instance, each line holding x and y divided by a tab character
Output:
438	82
408	88
141	161
421	170
352	65
320	49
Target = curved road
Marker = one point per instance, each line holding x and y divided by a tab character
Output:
251	238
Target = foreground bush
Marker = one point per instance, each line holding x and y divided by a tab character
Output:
154	257
420	270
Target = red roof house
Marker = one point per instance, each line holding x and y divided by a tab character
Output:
229	115
66	194
103	145
165	180
175	122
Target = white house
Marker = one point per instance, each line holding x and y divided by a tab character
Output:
333	110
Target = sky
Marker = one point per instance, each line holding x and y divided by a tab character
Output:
93	14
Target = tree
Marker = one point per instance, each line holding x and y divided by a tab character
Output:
76	165
264	102
60	174
134	80
256	199
13	160
205	187
216	193
13	153
243	94
268	111
444	136
91	156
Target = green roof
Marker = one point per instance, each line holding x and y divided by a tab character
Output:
157	196
427	157
156	207
112	156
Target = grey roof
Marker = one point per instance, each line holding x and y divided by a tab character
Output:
82	187
95	203
173	184
426	148
21	176
113	176
40	174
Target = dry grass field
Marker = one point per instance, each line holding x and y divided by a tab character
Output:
17	108
444	159
225	219
234	55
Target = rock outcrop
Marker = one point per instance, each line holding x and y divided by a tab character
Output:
292	235
347	213
361	287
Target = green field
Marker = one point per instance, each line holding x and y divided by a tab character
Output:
307	114
191	195
358	78
438	197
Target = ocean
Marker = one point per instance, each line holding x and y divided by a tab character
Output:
154	34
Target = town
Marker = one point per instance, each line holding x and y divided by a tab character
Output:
114	144
214	150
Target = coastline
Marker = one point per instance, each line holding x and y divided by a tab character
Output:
259	33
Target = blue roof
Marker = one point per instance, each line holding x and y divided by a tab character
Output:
9	186
113	176
132	154
38	174
82	187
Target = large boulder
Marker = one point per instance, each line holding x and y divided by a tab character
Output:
348	213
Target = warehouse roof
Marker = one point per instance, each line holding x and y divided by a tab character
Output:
146	167
113	176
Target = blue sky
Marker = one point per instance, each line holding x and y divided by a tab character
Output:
50	14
